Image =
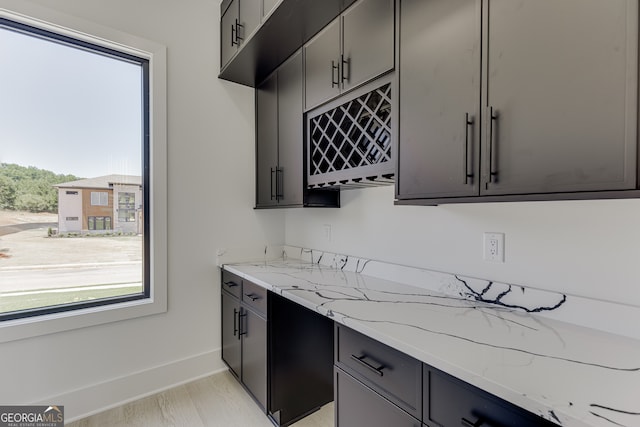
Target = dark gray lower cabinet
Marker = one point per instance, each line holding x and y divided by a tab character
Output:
254	354
376	385
451	402
231	343
359	406
281	352
244	338
394	375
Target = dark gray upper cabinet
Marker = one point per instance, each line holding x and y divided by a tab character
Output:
439	98
267	142
228	28
367	41
322	66
279	137
267	7
280	173
354	48
563	94
290	133
554	114
286	26
238	22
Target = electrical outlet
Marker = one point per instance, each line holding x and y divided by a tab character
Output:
494	247
326	232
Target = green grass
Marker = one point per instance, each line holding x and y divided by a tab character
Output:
25	300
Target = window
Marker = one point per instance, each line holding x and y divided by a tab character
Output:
99	198
99	223
126	207
78	89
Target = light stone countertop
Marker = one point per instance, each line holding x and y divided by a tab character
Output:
568	374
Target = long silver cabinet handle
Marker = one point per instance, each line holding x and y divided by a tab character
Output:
468	121
493	118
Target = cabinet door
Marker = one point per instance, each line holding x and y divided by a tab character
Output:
249	18
368	40
290	132
266	142
268	6
322	66
358	405
254	355
228	40
231	344
439	98
562	86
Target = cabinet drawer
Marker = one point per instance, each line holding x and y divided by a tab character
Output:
254	296
358	405
449	401
393	374
231	283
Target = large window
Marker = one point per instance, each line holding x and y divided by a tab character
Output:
64	98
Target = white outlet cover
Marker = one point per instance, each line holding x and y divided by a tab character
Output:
493	247
326	231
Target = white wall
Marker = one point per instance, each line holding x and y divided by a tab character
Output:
210	199
586	248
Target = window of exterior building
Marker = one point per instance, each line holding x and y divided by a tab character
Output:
99	223
85	94
99	198
126	207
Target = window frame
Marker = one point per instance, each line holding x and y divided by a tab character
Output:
154	300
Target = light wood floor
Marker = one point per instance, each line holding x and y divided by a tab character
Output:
216	401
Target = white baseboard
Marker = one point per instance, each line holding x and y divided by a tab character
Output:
99	397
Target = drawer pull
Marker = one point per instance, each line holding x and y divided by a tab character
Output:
252	297
361	360
467	423
231	284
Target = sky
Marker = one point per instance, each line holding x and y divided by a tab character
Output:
68	110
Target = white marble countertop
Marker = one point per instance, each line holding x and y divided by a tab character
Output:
571	375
